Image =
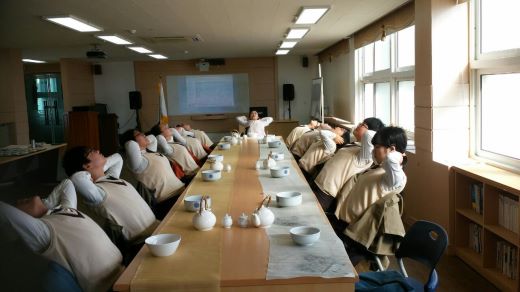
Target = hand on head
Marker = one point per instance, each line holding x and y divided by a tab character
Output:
32	206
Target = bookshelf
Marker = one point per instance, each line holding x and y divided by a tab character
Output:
489	225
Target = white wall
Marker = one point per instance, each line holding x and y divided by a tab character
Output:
290	70
112	88
339	86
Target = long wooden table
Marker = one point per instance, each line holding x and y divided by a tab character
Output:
244	251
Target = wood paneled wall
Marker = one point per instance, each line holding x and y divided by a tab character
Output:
77	83
262	88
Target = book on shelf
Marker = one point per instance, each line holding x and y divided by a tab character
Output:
508	212
477	194
507	259
475	237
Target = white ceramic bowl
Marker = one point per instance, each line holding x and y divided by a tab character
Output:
277	156
280	171
216	157
224	146
252	135
274	144
192	203
288	199
162	245
305	235
227	138
211	175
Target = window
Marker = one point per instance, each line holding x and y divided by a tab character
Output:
495	70
386	79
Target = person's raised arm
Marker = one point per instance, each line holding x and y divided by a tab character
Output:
152	146
163	146
63	194
394	175
87	189
267	120
113	165
243	121
366	146
136	161
33	231
328	140
177	137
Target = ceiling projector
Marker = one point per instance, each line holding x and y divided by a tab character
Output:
96	54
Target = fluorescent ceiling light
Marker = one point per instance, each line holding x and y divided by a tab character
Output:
114	39
311	15
32	61
288	44
73	23
158	56
282	52
297	33
140	50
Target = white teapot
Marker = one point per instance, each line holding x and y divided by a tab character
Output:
215	164
234	140
269	161
204	219
263	217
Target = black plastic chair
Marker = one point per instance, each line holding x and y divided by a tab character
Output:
425	242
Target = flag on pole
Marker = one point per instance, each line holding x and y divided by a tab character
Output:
162	103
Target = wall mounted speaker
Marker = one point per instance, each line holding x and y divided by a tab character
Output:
305	61
288	92
135	100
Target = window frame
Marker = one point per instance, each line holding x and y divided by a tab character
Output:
497	62
392	75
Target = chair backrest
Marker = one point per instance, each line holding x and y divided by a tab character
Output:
424	242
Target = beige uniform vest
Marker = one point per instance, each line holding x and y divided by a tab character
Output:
295	134
301	145
339	169
202	137
195	147
124	206
79	245
315	155
366	191
183	158
159	176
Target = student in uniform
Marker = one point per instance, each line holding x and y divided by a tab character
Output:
59	232
152	169
301	145
108	198
174	151
346	163
187	138
254	124
297	132
199	135
385	178
323	149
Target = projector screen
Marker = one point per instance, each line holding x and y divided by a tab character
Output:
207	94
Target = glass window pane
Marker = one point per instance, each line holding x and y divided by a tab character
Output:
499	25
383	102
368	55
369	100
499	114
405	103
406	47
382	54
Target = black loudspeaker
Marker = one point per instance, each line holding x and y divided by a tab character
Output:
135	100
288	92
305	61
97	69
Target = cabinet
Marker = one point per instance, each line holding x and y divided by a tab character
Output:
82	129
494	185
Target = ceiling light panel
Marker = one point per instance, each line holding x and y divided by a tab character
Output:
140	50
288	44
114	39
282	52
297	33
311	15
158	56
32	61
74	23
